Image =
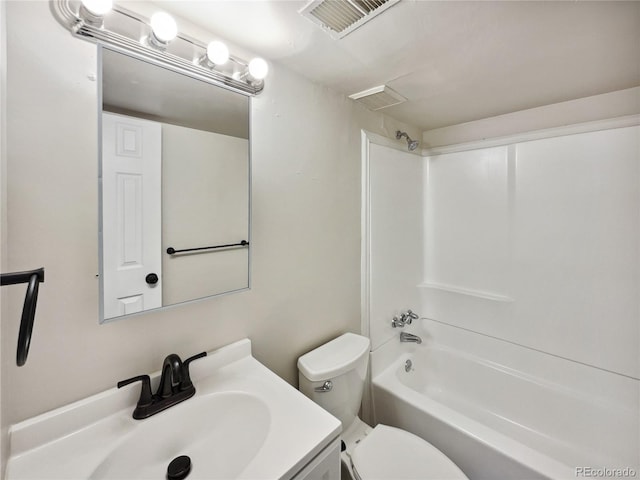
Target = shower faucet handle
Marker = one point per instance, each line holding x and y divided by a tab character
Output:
405	319
411	316
398	322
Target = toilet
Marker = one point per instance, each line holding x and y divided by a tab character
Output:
333	376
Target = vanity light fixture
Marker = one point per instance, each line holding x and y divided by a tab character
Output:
258	70
92	11
217	53
164	45
254	73
163	30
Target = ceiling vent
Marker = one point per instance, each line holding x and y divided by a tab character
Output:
341	17
377	98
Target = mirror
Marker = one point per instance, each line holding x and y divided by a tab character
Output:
174	187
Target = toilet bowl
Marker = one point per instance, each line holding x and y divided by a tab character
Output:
333	376
392	453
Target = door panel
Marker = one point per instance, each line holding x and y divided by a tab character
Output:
131	203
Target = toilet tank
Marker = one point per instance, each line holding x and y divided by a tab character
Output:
343	362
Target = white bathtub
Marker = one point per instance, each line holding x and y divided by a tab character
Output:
539	417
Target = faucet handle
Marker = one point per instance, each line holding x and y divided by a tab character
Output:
412	315
409	317
186	379
398	322
146	397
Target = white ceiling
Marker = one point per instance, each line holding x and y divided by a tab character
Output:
455	61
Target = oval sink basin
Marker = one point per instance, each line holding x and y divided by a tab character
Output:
220	432
243	423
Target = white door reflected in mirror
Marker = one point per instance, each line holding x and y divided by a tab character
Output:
131	214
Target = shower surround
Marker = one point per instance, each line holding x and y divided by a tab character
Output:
522	259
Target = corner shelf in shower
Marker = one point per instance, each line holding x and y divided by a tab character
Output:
467	291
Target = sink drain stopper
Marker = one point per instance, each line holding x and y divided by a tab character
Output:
179	468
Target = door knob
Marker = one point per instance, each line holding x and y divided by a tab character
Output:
151	279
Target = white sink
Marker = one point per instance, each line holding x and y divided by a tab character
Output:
244	422
220	432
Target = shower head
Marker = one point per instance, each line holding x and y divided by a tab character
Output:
411	144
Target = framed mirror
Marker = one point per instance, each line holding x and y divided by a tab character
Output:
174	184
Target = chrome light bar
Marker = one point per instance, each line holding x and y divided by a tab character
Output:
121	28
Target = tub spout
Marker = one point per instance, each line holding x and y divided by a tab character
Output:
409	337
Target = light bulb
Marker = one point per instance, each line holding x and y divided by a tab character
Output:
98	7
218	53
258	68
164	27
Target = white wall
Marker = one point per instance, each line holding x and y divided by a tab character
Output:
598	107
467	231
305	227
538	243
205	201
3	215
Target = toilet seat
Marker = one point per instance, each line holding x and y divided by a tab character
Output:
394	454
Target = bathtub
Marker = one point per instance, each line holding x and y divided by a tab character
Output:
502	411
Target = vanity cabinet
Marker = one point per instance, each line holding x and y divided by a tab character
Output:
325	466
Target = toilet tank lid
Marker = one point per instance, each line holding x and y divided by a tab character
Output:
333	358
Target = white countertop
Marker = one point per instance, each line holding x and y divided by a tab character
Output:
265	429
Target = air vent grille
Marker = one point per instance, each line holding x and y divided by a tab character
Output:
377	98
341	17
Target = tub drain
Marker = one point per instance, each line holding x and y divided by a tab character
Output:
407	365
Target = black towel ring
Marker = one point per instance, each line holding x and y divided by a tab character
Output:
33	278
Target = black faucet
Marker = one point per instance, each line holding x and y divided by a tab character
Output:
175	386
172	372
